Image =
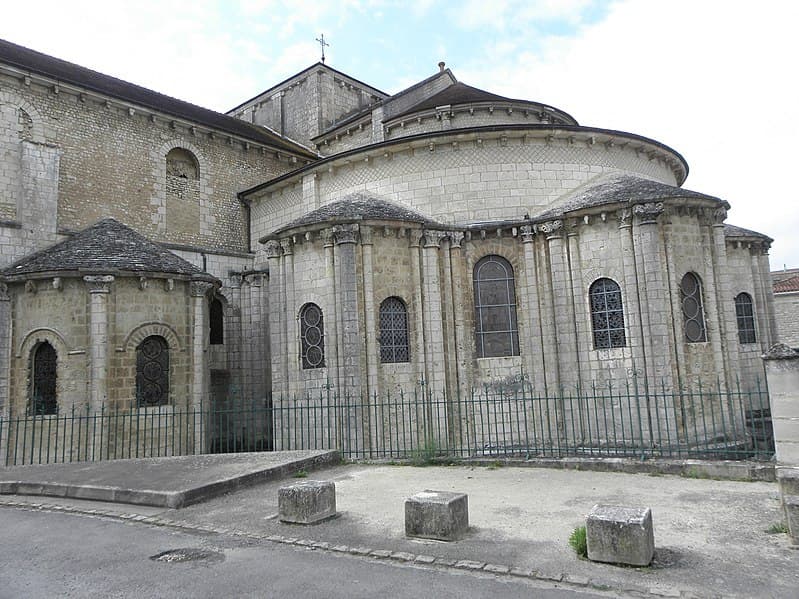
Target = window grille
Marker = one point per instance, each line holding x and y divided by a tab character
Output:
692	310
312	334
607	314
745	315
394	331
496	329
152	372
45	365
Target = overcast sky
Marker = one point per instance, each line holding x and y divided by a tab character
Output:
715	80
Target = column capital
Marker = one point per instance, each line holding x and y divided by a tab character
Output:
365	234
4	297
551	228
526	233
456	239
199	288
287	245
648	213
328	237
433	239
98	283
272	248
345	234
625	217
719	216
415	237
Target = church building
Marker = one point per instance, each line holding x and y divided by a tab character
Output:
325	235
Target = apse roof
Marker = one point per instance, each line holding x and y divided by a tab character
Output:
67	72
624	189
356	207
733	231
460	93
108	246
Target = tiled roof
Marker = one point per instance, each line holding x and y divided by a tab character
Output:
108	246
67	72
786	285
733	231
623	189
357	207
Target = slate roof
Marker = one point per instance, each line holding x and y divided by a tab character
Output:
627	189
106	247
733	231
460	93
67	72
357	207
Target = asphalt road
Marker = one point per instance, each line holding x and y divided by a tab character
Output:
48	554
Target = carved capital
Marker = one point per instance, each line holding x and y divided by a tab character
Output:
625	217
415	237
30	286
648	213
287	245
526	233
719	216
4	297
99	283
551	228
346	234
365	234
328	238
199	288
432	239
456	239
272	248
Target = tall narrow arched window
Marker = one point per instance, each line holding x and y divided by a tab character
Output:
182	193
393	331
607	314
312	337
496	330
745	315
152	372
693	311
216	322
44	398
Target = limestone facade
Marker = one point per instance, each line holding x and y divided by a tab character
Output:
342	231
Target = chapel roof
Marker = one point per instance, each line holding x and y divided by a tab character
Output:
623	189
70	73
356	207
106	247
733	231
786	285
460	93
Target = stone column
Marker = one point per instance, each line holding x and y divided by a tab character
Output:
765	274
291	328
433	316
548	324
782	373
5	365
370	339
277	348
725	306
418	307
459	314
199	363
631	291
350	390
331	348
99	287
535	358
577	304
563	308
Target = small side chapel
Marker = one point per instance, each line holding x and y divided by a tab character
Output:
325	235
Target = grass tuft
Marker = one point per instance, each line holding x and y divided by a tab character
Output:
578	542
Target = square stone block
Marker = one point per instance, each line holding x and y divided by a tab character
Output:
788	479
790	504
306	502
620	535
437	515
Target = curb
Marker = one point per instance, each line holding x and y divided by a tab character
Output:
504	570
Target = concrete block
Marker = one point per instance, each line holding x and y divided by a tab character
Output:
788	479
306	502
437	515
620	535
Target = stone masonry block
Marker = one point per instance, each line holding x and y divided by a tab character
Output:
788	479
306	502
790	504
620	535
437	515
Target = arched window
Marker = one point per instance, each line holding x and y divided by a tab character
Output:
393	331
182	164
312	333
182	216
216	321
693	311
496	331
44	399
607	314
152	372
745	315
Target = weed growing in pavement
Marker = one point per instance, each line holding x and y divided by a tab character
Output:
777	528
301	474
578	542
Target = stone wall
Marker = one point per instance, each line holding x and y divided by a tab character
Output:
787	308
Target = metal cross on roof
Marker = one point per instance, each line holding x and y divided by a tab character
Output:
323	43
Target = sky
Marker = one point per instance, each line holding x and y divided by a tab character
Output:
715	80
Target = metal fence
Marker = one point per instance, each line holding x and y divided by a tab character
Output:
630	420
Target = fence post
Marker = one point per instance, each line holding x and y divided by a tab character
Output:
782	376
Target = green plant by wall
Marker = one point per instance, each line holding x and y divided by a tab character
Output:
578	542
